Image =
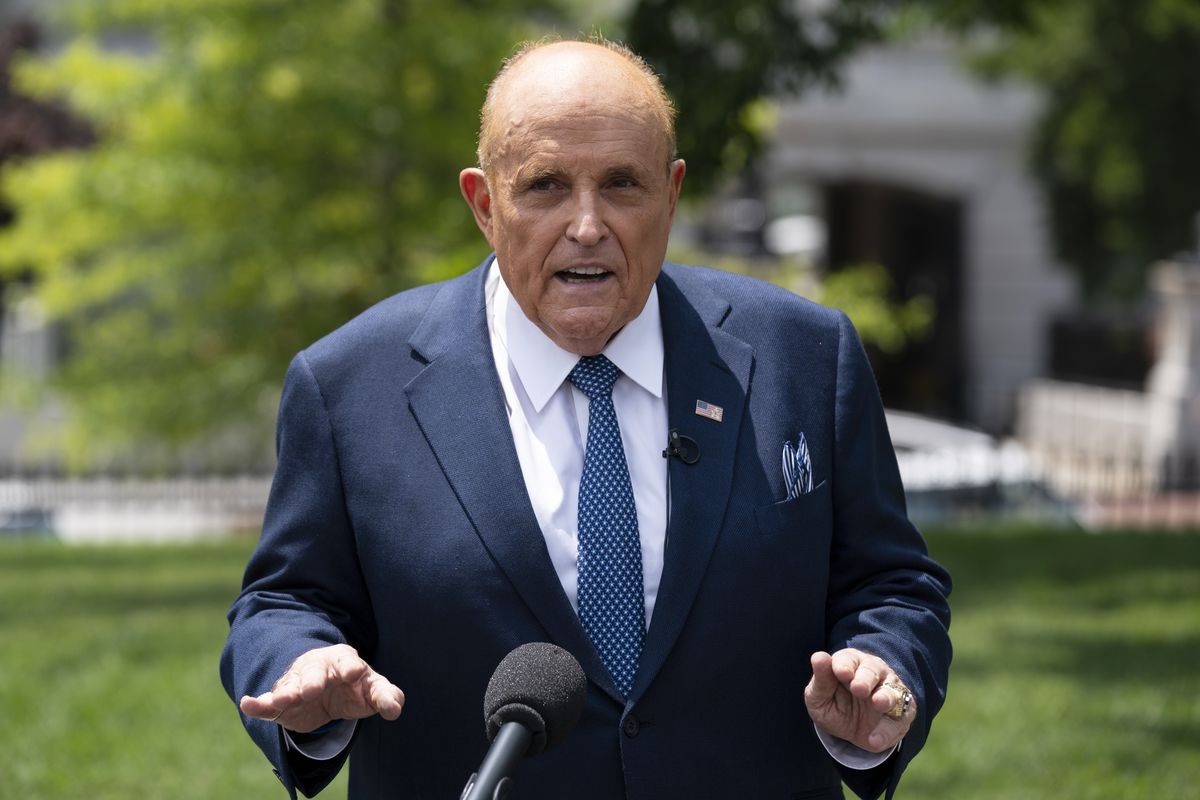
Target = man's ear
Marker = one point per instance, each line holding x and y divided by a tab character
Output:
475	191
678	168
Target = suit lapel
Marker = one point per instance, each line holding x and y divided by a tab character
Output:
702	363
473	444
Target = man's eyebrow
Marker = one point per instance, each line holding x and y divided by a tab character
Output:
536	171
625	171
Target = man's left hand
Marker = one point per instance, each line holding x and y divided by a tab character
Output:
850	695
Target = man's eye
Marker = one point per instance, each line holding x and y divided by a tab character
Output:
622	183
542	185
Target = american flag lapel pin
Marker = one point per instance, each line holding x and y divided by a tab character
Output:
709	411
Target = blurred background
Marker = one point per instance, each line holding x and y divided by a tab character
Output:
1004	195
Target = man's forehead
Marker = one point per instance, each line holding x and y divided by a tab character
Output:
538	134
521	159
568	117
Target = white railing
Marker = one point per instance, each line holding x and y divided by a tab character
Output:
243	490
108	509
1087	441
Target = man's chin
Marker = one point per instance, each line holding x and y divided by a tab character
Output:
582	339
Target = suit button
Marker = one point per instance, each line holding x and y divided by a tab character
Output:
631	726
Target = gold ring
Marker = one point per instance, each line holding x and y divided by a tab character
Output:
902	702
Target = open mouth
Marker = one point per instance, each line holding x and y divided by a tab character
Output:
584	274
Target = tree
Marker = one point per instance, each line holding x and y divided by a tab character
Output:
720	60
28	127
265	170
1116	146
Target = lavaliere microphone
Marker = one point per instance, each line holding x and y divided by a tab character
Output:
682	447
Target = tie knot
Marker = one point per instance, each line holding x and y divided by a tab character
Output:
595	376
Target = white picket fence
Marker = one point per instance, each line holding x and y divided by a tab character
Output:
1086	441
118	509
1086	444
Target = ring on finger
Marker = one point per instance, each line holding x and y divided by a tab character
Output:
902	702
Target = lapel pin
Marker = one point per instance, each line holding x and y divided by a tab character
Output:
709	411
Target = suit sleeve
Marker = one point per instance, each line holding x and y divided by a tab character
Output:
887	596
303	586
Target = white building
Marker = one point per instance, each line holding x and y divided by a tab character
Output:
921	166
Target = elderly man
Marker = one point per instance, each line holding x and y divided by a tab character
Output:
477	464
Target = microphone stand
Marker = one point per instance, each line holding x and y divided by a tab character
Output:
492	781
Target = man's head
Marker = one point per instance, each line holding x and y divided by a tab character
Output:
578	186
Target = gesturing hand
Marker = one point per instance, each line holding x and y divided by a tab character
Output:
323	685
850	695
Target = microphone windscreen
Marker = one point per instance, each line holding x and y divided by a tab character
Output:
541	686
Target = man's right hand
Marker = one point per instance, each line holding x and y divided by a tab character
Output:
325	684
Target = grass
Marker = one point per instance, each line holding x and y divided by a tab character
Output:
1075	669
108	675
1074	673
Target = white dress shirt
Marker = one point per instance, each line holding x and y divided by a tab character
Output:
549	417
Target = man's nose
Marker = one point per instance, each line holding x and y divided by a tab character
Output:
587	221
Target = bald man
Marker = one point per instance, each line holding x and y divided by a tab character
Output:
760	621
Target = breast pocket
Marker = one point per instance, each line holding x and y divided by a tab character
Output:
792	544
806	515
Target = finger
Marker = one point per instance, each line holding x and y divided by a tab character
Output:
384	696
845	664
871	674
824	682
884	698
858	671
890	698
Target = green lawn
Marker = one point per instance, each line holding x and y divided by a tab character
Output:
1074	675
108	675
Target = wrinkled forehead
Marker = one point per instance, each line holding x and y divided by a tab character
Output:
595	132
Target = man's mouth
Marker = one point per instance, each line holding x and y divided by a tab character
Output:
584	274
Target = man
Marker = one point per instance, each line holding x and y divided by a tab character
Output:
455	480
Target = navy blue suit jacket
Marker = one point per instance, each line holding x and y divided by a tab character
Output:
399	522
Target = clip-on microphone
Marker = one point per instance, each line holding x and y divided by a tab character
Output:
682	447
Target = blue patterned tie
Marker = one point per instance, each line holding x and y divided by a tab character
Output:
611	599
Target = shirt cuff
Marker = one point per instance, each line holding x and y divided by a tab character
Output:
851	755
322	746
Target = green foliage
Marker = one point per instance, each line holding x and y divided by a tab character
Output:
864	292
719	60
1115	147
265	171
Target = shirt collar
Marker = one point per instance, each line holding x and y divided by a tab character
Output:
542	366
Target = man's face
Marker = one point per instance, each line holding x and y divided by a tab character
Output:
578	207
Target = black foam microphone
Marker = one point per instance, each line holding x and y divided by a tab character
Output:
534	699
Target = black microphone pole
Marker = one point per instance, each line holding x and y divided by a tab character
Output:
492	781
